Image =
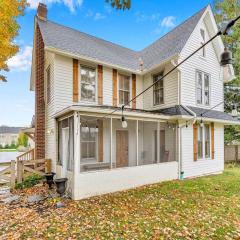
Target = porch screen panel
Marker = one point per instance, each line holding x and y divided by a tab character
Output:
71	145
147	142
94	144
167	142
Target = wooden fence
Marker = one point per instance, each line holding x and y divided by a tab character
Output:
8	173
29	155
232	153
28	167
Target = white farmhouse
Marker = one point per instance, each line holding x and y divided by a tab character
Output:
79	80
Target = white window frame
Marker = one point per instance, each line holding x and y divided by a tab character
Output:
203	142
203	36
203	74
161	88
80	85
118	88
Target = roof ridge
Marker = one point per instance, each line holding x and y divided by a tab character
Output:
118	45
89	35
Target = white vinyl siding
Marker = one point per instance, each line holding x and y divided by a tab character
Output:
209	64
200	167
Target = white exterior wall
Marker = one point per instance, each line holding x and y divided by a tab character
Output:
101	182
107	86
208	64
170	84
200	167
50	140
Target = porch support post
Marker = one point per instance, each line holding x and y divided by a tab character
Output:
158	142
137	141
76	164
111	140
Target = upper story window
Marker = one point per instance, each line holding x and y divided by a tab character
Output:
203	40
48	73
88	84
158	96
124	89
203	88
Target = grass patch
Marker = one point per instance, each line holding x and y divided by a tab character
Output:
8	150
201	208
29	181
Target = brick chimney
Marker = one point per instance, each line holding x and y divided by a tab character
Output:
42	11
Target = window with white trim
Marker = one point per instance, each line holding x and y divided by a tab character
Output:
204	141
202	32
203	88
207	140
88	84
124	89
158	89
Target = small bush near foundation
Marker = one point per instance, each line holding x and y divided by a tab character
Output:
29	181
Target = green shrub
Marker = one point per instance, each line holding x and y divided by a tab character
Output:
29	181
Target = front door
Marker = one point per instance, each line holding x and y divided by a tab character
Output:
122	148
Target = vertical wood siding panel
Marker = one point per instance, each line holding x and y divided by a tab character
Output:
134	90
114	79
75	80
195	142
100	84
212	141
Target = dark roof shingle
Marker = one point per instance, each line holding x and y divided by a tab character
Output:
82	44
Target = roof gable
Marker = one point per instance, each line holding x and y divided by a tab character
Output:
66	39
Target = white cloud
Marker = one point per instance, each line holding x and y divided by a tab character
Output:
71	4
99	16
168	22
22	61
96	16
140	17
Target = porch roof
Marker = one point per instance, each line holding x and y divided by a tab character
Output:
172	113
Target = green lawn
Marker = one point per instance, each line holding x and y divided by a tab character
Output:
8	150
202	208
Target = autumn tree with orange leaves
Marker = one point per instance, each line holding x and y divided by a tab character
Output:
9	11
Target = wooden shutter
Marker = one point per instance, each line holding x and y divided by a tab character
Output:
195	141
100	141
212	141
134	90
75	80
100	84
114	84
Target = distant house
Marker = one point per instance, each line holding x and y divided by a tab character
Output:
9	135
80	79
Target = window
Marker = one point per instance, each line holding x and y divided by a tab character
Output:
158	89
124	89
207	140
88	143
200	142
48	85
204	141
203	88
88	84
203	42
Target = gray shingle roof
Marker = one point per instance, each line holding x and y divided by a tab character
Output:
213	114
172	111
6	129
79	43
